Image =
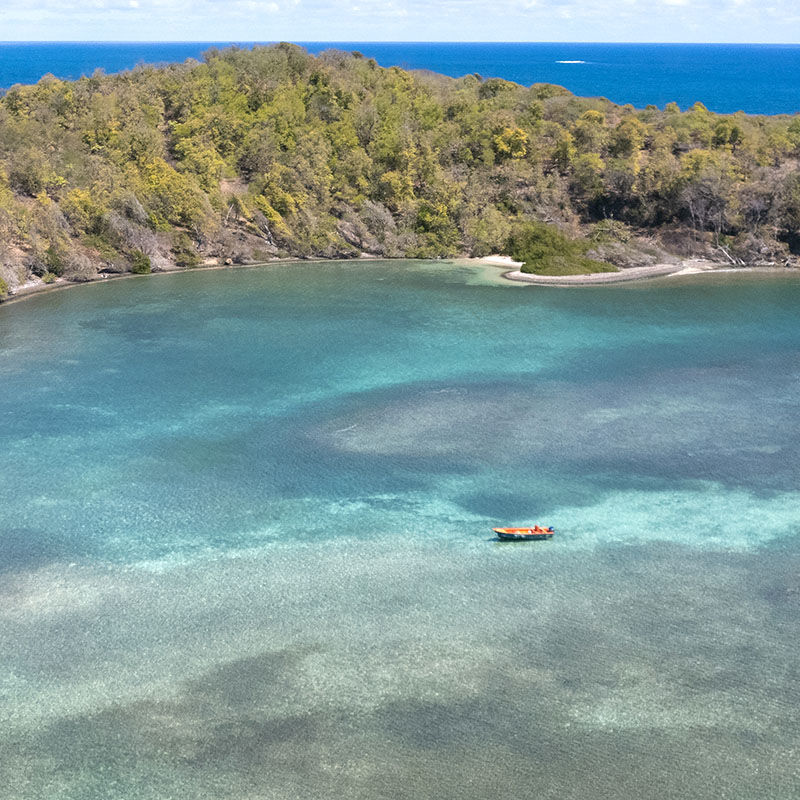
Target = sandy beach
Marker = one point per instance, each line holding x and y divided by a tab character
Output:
687	267
501	261
633	274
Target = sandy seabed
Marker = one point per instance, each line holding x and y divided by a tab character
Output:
247	548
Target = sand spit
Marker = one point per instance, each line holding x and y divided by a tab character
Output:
688	267
633	274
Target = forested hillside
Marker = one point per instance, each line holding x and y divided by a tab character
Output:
273	152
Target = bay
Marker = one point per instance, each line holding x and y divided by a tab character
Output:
245	544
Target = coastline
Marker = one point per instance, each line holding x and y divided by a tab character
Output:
515	275
32	288
685	267
681	268
593	278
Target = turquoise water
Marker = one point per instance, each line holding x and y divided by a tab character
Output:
245	542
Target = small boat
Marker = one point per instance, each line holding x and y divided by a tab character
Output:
522	534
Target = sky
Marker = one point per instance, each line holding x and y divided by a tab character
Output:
775	21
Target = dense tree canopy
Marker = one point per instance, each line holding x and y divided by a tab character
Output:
252	154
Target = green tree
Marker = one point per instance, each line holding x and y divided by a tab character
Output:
140	263
544	250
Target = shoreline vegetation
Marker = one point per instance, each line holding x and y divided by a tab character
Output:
271	154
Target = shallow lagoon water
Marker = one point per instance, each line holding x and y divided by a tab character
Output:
245	543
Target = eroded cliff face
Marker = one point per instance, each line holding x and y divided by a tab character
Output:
13	273
22	270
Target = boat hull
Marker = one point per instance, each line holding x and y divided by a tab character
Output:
522	534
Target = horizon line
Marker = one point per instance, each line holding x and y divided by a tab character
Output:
381	41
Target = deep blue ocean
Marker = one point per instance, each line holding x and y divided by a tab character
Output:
757	79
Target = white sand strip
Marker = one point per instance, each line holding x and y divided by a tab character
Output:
635	273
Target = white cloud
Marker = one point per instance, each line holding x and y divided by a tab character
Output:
365	20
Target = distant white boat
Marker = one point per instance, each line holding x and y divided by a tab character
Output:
570	62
